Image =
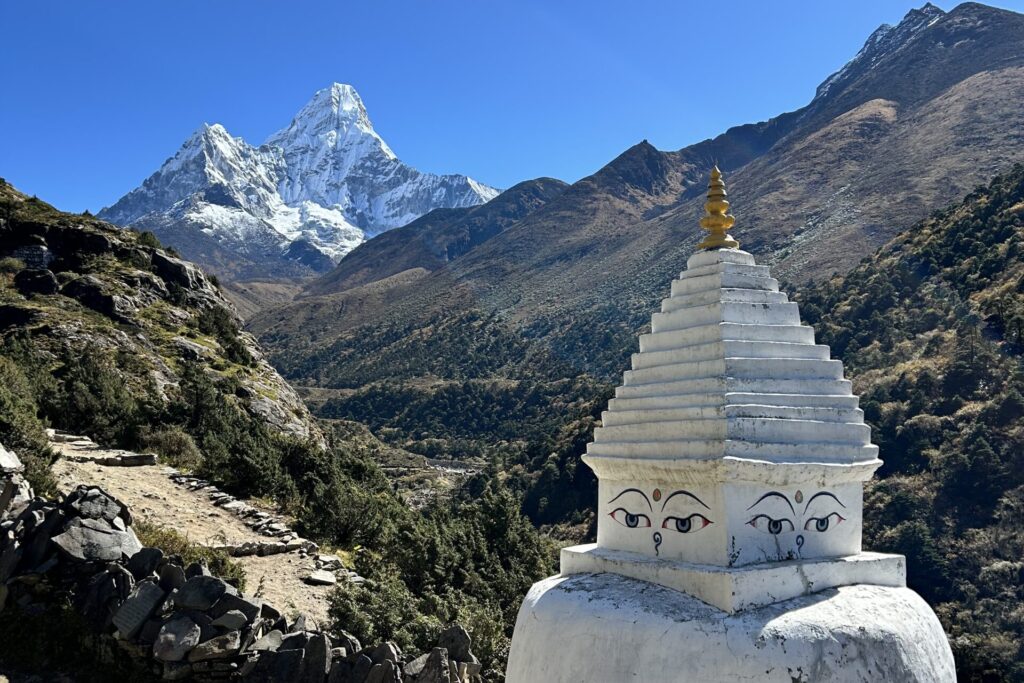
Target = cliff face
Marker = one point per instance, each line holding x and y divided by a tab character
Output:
73	287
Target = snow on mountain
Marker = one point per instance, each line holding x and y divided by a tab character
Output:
884	42
312	192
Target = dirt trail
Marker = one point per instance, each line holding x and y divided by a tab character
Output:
151	495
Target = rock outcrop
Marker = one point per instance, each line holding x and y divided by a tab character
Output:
178	622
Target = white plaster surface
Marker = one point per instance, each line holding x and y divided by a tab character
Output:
733	589
606	628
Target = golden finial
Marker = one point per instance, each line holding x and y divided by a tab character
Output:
716	219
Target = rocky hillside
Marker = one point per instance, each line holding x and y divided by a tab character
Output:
922	114
77	292
293	205
931	330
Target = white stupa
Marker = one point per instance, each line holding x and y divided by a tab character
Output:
731	466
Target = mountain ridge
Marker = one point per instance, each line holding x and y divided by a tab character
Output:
296	203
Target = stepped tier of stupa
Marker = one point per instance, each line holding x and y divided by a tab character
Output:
730	464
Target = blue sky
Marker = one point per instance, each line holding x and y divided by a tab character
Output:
98	93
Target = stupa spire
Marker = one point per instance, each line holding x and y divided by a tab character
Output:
717	220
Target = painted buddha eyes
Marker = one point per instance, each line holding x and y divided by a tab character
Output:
686	525
773	500
629	519
770	524
680	522
821	524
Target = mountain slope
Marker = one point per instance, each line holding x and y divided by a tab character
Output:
436	238
293	205
926	111
931	330
78	295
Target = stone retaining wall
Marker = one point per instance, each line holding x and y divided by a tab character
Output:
179	622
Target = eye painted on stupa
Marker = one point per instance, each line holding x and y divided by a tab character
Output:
771	525
822	524
632	520
766	521
686	525
825	516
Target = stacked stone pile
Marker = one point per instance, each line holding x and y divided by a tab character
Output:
178	622
13	487
82	448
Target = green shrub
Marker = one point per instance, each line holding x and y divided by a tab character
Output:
21	430
174	445
172	542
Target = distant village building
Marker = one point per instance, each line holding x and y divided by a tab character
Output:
731	466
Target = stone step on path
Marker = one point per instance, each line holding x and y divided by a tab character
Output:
84	449
280	537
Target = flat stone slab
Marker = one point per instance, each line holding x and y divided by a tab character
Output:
740	588
321	577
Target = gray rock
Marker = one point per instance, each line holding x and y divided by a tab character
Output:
456	640
348	641
91	543
197	569
341	672
415	667
150	630
269	642
250	607
295	641
361	667
232	620
385	672
436	668
176	639
138	608
145	562
386	652
171	577
200	593
220	647
321	577
275	667
317	659
36	281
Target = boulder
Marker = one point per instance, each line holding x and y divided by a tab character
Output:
176	639
250	607
220	647
138	608
200	593
172	576
145	562
268	643
36	281
456	640
385	672
436	667
346	640
89	540
275	667
317	659
386	652
231	620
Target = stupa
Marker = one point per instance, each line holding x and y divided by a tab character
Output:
731	464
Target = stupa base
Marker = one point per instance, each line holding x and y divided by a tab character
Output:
606	628
732	589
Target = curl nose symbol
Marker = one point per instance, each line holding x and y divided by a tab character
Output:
657	541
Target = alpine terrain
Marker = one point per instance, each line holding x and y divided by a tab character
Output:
295	204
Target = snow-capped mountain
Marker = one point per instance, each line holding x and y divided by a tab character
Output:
303	199
883	43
